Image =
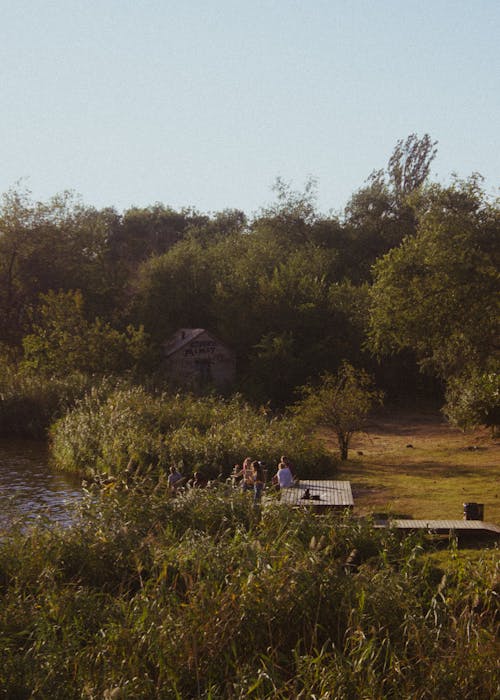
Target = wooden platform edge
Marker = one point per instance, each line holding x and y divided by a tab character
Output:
443	526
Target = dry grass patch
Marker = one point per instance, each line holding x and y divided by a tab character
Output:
416	465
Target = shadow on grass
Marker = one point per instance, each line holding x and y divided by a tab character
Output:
431	469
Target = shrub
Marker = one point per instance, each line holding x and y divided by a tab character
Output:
130	428
30	403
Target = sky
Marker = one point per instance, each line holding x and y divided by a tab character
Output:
204	103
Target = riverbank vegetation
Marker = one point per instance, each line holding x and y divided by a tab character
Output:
124	430
204	596
400	285
30	403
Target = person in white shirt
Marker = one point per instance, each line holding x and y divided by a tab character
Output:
284	476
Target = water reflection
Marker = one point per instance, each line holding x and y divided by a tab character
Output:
29	488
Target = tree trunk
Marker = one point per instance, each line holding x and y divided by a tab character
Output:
344	446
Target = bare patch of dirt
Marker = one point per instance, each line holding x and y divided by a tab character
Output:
410	435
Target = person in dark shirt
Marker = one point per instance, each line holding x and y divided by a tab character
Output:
258	481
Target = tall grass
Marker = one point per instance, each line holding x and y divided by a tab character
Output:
204	596
132	429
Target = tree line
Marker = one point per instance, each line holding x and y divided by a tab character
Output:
403	284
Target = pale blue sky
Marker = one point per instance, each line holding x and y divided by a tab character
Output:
204	103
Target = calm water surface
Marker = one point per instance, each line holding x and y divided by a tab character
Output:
30	488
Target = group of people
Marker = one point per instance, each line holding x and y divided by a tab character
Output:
251	476
176	479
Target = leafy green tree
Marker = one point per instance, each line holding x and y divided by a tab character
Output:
64	341
378	216
290	219
437	293
53	245
341	402
152	231
473	399
175	290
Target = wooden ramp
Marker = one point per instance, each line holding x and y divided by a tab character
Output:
445	527
319	494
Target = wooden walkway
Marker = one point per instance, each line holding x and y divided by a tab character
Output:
445	527
319	494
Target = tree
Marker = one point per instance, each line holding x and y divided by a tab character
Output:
290	220
53	245
342	402
152	230
379	215
473	399
174	290
437	293
410	163
64	341
274	368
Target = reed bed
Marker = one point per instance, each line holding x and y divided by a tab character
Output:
129	429
206	596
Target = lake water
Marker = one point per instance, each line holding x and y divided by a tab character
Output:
30	488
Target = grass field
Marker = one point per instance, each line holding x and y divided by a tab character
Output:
416	465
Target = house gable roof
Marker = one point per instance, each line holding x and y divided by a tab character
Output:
183	337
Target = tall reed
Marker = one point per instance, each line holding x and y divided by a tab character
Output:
132	429
205	596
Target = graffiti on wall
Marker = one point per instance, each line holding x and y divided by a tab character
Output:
200	347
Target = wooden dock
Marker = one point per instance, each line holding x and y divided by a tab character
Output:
319	494
460	528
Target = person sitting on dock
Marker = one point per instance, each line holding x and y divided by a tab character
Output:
197	481
283	477
288	463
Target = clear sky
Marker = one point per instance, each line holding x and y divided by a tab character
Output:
205	102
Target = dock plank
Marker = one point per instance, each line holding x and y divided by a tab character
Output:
444	526
323	493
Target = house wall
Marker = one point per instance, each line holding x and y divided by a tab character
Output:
203	360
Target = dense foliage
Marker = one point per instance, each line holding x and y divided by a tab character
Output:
438	291
203	596
29	403
405	278
127	430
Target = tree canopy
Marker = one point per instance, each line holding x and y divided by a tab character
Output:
407	276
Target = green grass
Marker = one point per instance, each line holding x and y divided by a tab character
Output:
431	479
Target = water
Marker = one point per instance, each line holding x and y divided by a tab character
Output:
29	488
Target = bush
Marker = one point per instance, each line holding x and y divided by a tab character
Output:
30	403
131	429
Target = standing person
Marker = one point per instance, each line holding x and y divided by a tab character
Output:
284	476
246	473
258	481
